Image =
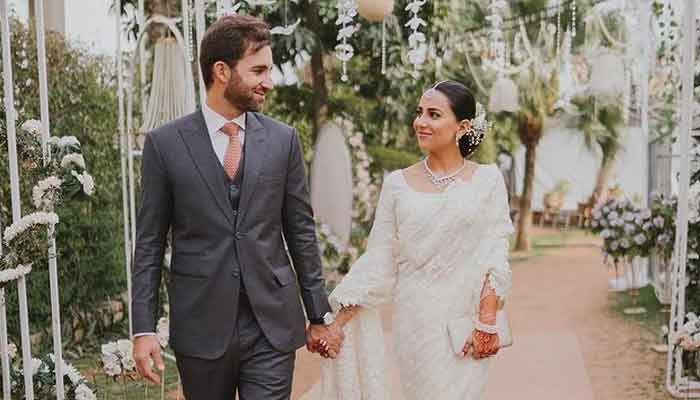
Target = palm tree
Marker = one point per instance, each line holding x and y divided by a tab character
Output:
538	93
600	125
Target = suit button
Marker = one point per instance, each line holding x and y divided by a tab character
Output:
235	213
236	273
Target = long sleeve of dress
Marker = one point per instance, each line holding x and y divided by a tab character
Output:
496	244
372	277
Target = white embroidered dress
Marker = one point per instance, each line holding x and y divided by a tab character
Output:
428	255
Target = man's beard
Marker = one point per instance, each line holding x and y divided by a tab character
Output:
241	96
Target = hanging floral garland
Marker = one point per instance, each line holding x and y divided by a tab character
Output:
418	49
344	50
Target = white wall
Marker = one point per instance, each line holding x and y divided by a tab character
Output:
562	154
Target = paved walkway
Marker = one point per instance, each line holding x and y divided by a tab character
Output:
568	343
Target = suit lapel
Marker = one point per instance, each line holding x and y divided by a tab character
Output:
198	142
255	137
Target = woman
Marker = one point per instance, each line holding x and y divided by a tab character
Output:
437	252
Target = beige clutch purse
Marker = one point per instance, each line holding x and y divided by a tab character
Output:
460	331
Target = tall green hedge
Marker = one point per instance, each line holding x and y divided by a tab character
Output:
82	103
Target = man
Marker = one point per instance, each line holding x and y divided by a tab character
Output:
229	181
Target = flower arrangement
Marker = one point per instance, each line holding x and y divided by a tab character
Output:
688	336
44	377
337	256
625	229
62	178
117	359
118	362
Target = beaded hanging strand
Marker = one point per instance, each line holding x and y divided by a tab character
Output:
187	29
557	34
384	46
573	19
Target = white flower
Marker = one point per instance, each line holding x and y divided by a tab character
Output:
606	209
663	238
355	140
11	350
628	216
604	223
112	366
647	226
110	359
606	233
53	141
596	214
640	239
74	159
26	222
12	274
49	186
68	141
613	215
646	214
629	229
36	365
658	222
124	350
83	392
86	181
32	126
163	331
594	223
625	243
614	245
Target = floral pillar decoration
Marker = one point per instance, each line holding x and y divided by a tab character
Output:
416	41
344	50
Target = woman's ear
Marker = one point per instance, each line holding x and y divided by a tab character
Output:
464	125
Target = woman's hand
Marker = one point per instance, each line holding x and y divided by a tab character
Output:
482	345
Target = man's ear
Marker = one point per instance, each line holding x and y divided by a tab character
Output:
221	72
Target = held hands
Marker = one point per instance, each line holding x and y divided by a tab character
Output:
325	339
146	352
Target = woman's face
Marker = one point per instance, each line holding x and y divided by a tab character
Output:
435	124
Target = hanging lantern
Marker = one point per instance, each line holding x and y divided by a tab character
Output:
504	96
607	75
375	10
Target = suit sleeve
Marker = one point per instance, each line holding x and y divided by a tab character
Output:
300	234
152	225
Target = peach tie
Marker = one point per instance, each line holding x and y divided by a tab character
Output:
232	157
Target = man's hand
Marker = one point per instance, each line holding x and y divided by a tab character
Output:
146	350
325	339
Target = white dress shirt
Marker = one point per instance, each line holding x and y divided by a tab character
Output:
219	141
215	122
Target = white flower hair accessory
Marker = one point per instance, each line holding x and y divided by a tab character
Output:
478	128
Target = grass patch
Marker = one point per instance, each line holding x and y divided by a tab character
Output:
541	242
133	389
657	314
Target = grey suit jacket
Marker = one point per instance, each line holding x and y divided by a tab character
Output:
184	189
